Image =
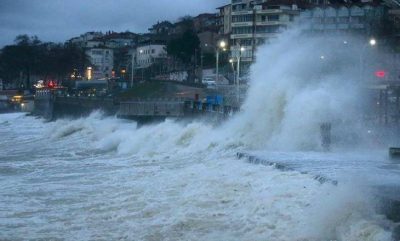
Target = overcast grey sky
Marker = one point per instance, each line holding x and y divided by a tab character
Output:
59	20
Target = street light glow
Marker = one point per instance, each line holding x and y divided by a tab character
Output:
242	49
222	44
372	42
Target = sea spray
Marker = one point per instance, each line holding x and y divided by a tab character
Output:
181	181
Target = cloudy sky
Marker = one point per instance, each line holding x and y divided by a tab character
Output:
59	20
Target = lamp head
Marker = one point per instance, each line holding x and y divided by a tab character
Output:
372	42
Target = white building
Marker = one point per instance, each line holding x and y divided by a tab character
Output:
102	62
362	19
84	38
147	55
250	23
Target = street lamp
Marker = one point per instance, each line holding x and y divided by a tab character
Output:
232	62
241	50
221	45
133	63
371	43
137	65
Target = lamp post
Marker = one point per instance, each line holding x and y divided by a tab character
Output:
232	62
133	63
222	45
141	52
241	49
372	42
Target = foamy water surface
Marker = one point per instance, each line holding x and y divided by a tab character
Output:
82	184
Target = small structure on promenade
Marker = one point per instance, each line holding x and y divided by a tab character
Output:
326	135
394	152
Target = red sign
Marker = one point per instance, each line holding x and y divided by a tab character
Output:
380	74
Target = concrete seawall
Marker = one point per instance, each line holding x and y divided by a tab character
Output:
77	107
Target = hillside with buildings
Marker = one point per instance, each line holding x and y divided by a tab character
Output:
215	48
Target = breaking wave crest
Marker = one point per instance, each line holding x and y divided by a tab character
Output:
296	84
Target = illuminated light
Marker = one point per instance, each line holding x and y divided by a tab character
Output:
51	84
222	44
380	74
231	61
322	57
372	42
16	98
22	104
242	49
89	73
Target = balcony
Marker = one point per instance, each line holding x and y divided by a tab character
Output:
240	36
357	25
242	24
242	12
266	35
269	11
266	23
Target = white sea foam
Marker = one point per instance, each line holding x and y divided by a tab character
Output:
180	181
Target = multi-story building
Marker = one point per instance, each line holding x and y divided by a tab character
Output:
82	40
224	19
253	22
120	40
149	54
102	62
364	19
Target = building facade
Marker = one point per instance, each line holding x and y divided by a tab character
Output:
147	55
250	23
82	40
363	19
102	63
223	19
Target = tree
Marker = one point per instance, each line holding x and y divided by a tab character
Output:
29	56
184	48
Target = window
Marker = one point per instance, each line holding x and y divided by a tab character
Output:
97	52
268	29
343	20
330	20
242	30
273	18
242	18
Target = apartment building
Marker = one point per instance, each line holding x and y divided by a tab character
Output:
149	54
102	62
223	20
82	40
253	22
363	19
